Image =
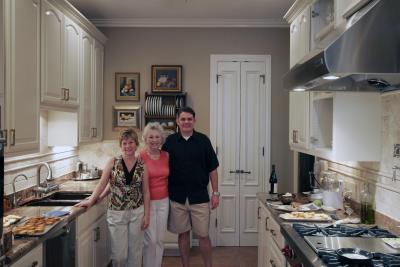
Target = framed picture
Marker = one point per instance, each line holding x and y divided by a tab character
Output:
127	86
167	78
126	116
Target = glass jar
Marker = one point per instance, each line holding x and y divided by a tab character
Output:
367	215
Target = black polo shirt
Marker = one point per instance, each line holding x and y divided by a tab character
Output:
190	164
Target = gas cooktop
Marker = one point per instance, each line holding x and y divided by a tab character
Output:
340	231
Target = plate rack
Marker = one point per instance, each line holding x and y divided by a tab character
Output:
162	108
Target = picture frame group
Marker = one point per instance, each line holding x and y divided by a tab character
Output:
166	78
127	86
126	116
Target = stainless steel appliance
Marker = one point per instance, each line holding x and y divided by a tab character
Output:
326	239
362	55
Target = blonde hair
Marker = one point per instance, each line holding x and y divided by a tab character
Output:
156	127
128	133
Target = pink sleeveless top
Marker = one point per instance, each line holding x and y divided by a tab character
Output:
158	170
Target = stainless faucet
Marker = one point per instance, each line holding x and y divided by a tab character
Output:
15	200
49	187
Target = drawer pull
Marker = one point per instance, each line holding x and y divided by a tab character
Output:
35	263
273	232
272	263
258	213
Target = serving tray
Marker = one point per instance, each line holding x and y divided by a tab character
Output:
35	226
306	217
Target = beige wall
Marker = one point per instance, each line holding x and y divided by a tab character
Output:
136	49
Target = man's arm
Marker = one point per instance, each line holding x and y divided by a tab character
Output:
214	186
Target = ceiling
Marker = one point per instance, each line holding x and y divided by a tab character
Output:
185	13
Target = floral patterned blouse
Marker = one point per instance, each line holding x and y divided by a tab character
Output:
125	196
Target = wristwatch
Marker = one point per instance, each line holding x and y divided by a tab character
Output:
216	193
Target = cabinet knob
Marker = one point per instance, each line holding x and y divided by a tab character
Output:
66	94
35	263
12	137
294	136
273	232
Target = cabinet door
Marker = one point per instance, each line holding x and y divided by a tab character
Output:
71	62
294	36
85	248
52	42
97	120
101	250
86	90
22	75
299	119
304	34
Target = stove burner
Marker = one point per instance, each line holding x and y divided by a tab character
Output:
341	231
331	259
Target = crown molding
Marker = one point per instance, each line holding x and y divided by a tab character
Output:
192	23
296	9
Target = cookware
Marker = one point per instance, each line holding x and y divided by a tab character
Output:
354	256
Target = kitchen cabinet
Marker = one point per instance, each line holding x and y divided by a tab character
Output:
90	110
92	237
299	119
60	58
300	37
343	126
33	258
22	75
270	240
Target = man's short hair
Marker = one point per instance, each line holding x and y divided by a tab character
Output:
187	110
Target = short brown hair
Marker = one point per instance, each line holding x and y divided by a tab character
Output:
128	133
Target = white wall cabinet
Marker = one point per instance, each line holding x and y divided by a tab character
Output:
339	126
299	119
22	75
33	258
60	57
300	37
91	111
92	237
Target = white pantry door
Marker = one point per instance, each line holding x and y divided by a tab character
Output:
240	132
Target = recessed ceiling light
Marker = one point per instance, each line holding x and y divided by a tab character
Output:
331	77
299	89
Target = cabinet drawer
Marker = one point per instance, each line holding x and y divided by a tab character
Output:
276	257
34	258
275	231
90	216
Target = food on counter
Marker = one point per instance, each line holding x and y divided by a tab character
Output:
305	216
318	202
10	219
287	194
35	225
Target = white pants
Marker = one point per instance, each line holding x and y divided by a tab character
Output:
154	234
126	237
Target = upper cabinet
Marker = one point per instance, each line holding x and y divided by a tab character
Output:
22	75
339	126
300	37
60	55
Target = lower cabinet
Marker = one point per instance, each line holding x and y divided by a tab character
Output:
270	240
92	249
32	259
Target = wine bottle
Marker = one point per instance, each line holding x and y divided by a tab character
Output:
273	179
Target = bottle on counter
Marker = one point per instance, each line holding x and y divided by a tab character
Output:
367	215
273	179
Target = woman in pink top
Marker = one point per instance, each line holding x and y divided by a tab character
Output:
156	162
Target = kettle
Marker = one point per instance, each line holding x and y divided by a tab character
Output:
332	190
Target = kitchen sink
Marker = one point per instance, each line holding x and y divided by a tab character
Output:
59	199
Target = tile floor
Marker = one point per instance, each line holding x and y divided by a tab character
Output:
222	257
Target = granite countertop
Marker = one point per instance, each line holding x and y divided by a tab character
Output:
21	246
303	251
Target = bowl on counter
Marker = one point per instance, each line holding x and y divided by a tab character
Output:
286	198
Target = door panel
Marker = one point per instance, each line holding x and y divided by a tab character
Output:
240	137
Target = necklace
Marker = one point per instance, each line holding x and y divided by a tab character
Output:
155	155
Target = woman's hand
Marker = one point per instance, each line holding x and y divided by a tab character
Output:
145	221
86	203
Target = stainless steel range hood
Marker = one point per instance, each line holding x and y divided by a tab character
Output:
365	56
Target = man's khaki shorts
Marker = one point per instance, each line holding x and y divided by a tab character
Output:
182	218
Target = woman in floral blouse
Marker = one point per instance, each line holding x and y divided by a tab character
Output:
128	206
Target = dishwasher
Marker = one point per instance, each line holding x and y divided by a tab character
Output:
59	248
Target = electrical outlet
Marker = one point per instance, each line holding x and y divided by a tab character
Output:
396	150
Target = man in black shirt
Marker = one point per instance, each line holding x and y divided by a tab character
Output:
193	163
